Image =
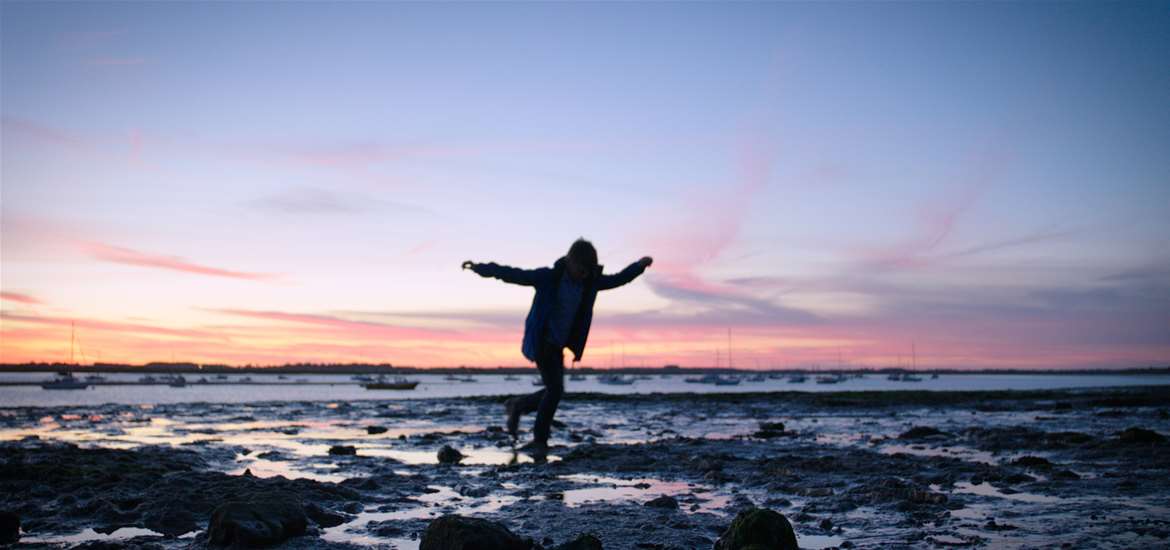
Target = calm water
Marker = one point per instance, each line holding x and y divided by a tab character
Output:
341	388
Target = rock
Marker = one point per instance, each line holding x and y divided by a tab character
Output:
587	541
816	492
768	430
758	529
991	525
387	529
264	520
922	432
1067	439
826	524
343	450
1140	436
1033	462
374	430
454	532
171	520
473	491
9	527
323	517
448	455
665	502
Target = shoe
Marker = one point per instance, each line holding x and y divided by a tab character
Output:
513	424
535	448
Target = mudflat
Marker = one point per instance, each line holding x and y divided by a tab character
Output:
1072	468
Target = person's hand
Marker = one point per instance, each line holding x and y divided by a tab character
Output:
646	261
469	265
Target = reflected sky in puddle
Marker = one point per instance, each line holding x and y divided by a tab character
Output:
301	434
641	490
988	490
88	535
260	467
962	453
443	500
482	456
816	542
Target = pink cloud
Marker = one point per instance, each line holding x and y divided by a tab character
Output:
703	229
17	297
421	247
328	321
936	222
40	132
117	254
111	326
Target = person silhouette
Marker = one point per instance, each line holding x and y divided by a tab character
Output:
559	318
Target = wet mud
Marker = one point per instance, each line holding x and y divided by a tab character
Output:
1046	469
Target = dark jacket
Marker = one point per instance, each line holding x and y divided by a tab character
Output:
546	279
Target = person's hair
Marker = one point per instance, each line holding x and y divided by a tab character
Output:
582	253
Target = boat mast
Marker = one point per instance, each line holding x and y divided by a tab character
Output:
729	364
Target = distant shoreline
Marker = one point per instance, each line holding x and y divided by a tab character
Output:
350	369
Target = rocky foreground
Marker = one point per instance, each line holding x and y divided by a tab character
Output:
851	470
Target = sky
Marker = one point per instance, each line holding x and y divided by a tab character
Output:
946	185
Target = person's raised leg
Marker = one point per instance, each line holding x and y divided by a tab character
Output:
519	406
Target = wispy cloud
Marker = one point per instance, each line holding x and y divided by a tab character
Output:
1024	240
937	221
698	234
307	200
302	200
113	326
121	255
19	298
27	128
333	322
421	247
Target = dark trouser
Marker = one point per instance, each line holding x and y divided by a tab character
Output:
551	363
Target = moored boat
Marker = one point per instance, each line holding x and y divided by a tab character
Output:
65	381
713	379
398	383
614	380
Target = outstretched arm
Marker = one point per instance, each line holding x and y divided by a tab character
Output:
508	274
614	280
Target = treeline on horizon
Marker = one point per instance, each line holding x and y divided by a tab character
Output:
388	368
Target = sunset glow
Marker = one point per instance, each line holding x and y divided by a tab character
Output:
299	183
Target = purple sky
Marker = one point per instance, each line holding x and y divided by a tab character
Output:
299	181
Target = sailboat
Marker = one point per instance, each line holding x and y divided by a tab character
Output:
714	378
910	376
65	379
